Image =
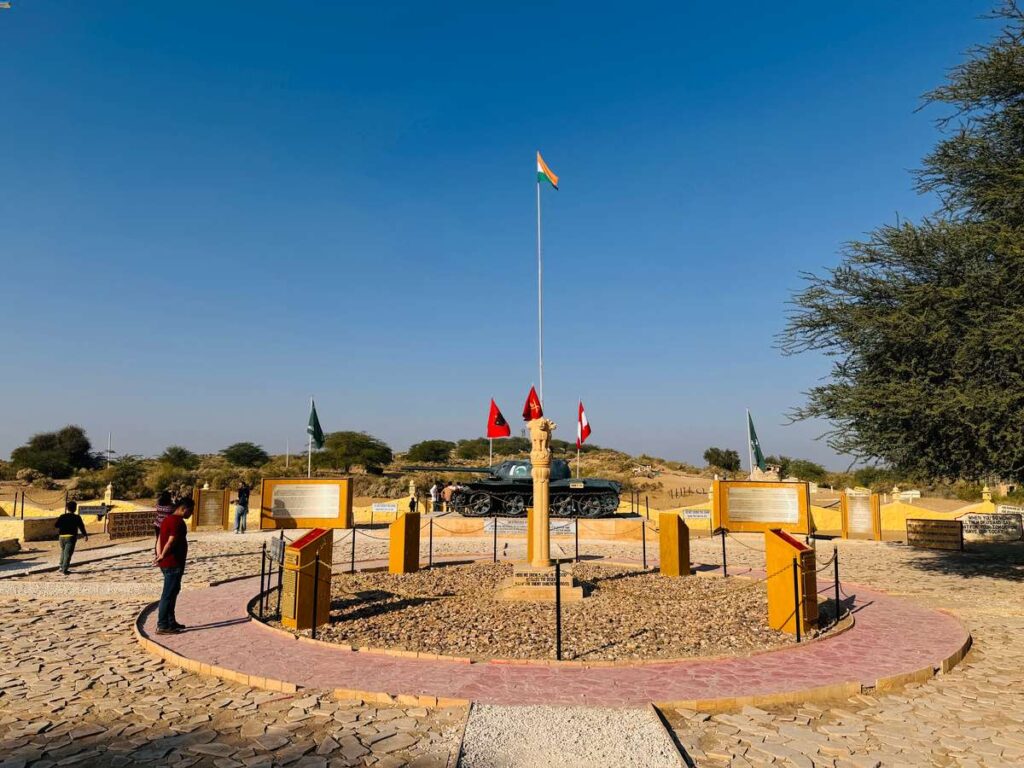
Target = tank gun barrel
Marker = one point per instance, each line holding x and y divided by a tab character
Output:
431	468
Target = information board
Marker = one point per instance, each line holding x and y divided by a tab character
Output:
306	503
757	506
211	509
935	534
384	506
861	515
992	527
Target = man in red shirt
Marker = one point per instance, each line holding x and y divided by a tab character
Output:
171	553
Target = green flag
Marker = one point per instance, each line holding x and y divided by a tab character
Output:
313	429
755	445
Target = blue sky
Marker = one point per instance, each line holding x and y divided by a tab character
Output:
209	213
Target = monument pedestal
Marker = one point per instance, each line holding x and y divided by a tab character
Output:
530	582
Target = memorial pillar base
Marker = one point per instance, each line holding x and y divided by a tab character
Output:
532	583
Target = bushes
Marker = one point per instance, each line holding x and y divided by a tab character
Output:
245	455
431	451
56	454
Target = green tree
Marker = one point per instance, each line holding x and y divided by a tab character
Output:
923	321
176	456
431	451
471	450
723	458
56	454
245	455
128	477
343	450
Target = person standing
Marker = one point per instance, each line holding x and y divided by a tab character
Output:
171	553
412	503
164	509
68	526
433	496
242	507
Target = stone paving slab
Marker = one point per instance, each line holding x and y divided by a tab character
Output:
877	648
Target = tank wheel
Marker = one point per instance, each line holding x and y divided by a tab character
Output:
563	506
610	503
515	506
479	505
590	506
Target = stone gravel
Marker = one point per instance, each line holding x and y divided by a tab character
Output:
566	737
454	610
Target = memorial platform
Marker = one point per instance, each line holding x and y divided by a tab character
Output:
877	652
620	528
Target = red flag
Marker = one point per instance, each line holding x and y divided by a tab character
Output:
582	427
532	409
496	424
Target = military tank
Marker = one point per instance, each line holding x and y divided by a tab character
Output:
507	490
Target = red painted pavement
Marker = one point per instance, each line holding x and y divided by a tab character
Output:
891	636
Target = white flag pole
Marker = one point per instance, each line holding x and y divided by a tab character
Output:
750	447
540	301
579	435
309	450
287	453
490	451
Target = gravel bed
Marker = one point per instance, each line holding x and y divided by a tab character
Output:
565	737
628	614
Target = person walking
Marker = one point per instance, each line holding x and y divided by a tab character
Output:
171	553
164	509
242	508
68	526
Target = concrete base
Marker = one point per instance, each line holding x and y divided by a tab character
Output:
538	584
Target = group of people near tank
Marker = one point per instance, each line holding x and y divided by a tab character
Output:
441	493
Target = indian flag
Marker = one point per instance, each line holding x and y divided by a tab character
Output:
544	173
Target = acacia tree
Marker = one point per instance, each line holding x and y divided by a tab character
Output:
723	458
923	322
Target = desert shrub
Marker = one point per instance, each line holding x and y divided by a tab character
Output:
245	455
89	484
7	471
723	458
344	450
56	454
431	451
128	476
167	477
176	456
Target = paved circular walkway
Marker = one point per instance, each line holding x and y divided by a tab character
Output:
893	640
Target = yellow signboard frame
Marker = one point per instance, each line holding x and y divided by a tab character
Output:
197	498
720	507
876	518
343	519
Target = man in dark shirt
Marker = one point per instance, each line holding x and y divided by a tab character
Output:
171	553
68	526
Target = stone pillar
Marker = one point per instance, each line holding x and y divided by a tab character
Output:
540	461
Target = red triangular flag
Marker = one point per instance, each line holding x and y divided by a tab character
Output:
496	424
532	409
582	427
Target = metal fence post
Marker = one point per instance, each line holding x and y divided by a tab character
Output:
643	536
280	577
263	569
558	609
796	597
430	548
576	528
316	587
647	507
725	567
835	576
495	539
352	568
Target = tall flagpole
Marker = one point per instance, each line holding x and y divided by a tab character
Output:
579	434
490	451
309	450
540	301
750	447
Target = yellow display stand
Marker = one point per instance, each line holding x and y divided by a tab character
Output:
785	588
674	541
404	548
297	580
